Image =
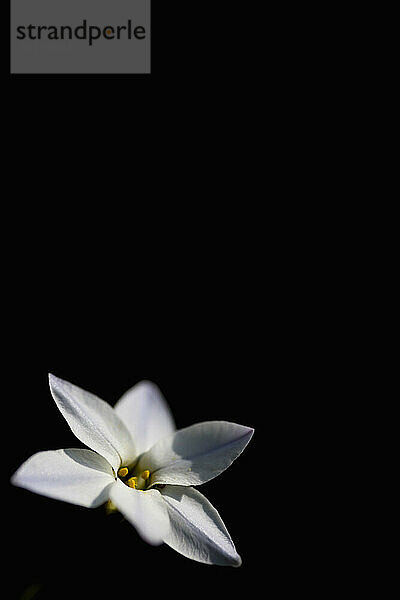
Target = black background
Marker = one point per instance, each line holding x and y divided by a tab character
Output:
155	228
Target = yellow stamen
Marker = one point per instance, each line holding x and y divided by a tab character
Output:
145	474
132	482
123	471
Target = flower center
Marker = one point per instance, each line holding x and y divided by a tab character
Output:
137	482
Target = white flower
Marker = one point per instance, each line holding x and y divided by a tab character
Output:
139	462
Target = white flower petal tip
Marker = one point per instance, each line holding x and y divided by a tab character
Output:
78	476
146	414
94	422
196	529
196	454
237	563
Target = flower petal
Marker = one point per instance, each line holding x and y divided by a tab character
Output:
79	476
94	422
196	454
146	415
145	510
196	529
